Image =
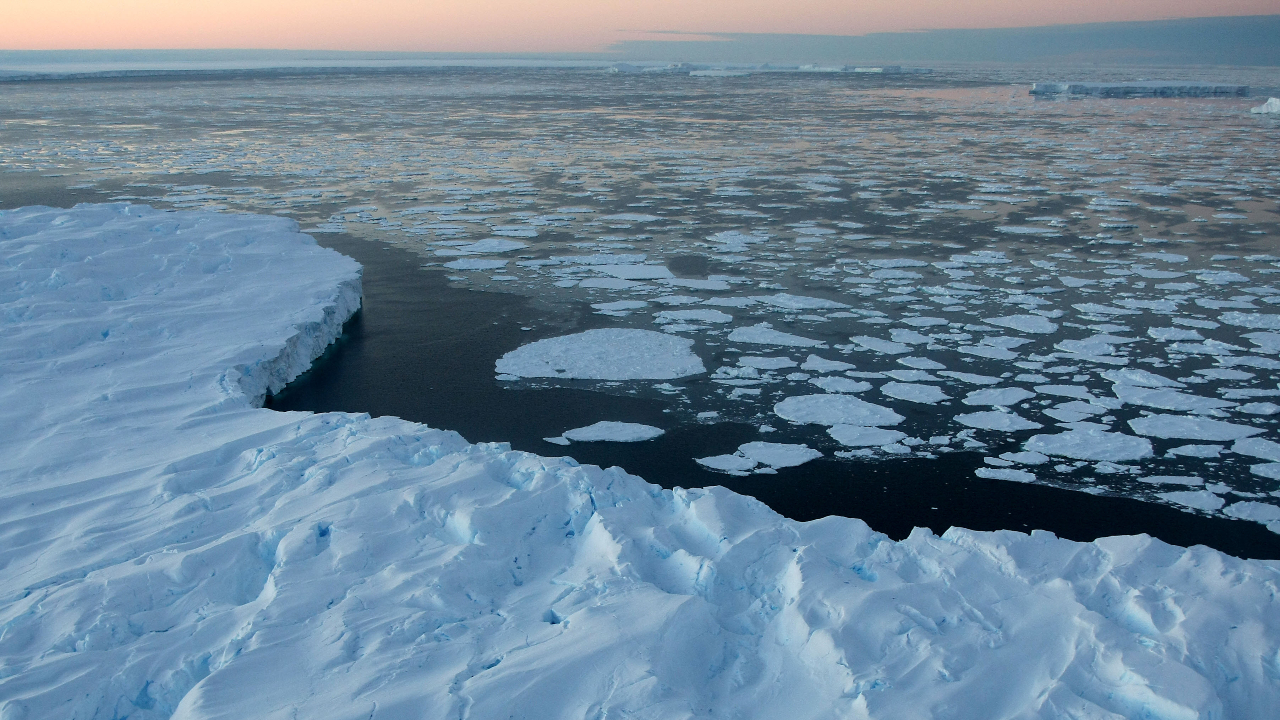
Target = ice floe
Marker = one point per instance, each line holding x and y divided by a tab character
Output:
612	431
1091	443
604	354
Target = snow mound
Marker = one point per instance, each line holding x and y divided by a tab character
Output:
606	354
173	551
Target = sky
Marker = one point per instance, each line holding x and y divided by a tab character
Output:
514	26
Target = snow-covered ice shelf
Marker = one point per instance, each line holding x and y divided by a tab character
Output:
173	551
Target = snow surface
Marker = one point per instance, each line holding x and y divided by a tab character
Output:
173	551
605	354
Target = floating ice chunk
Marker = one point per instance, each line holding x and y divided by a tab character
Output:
1171	334
1009	474
635	272
732	464
677	300
1271	471
1196	499
834	410
1025	458
1074	411
819	364
998	396
711	316
766	363
924	321
737	302
897	263
884	347
1198	451
997	420
764	334
609	283
694	284
610	431
1164	256
1271	106
1028	230
841	384
475	264
982	257
556	440
1258	321
631	217
920	363
896	275
1075	282
1257	447
971	378
1267	342
1168	399
861	436
1093	444
605	354
1225	374
1259	408
1256	511
1024	323
914	392
990	352
620	306
1191	428
1172	480
778	454
798	302
483	247
1072	391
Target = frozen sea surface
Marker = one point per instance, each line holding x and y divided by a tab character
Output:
176	551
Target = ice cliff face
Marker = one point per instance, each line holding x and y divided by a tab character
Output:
172	551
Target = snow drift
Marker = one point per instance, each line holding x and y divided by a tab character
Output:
171	550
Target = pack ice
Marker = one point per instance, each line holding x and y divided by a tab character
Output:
172	550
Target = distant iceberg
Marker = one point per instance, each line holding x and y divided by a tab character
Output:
1140	89
1272	105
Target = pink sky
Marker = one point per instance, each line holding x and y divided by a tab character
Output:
529	25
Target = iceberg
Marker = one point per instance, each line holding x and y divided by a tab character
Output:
1271	106
173	550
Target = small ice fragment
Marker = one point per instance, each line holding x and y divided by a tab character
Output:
1172	480
861	436
1190	428
997	420
1257	447
834	410
1141	378
764	334
610	431
475	264
732	464
1010	474
1197	499
998	396
822	365
1025	458
778	455
1025	323
914	392
634	272
556	440
1270	471
840	385
1091	444
605	354
884	347
708	315
1197	451
971	378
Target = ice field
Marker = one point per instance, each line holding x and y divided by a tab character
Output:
173	550
868	269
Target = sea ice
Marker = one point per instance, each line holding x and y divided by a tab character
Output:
778	454
914	392
834	410
1010	474
1257	447
605	354
1190	428
861	436
475	264
998	396
1197	499
997	420
700	315
611	431
819	364
1272	105
764	334
1025	323
841	384
798	302
1091	443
